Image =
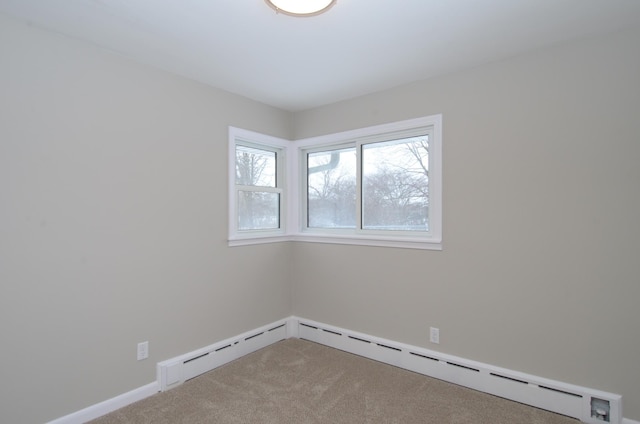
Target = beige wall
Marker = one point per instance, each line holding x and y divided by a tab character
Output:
113	222
541	262
113	212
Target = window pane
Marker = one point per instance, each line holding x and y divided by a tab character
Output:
255	167
395	185
331	189
258	210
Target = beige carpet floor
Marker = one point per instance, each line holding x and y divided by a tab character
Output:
301	382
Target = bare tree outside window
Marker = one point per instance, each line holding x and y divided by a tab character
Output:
395	185
331	189
258	207
255	167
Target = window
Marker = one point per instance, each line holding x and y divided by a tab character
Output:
257	191
257	182
378	186
331	188
395	185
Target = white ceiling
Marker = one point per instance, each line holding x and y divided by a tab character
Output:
357	47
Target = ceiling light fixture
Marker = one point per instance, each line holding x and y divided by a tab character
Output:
301	7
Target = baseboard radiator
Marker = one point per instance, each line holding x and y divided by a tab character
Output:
173	372
588	405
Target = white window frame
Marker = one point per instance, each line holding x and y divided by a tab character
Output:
279	146
431	125
293	195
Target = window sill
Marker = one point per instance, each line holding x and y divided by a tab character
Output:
402	243
247	241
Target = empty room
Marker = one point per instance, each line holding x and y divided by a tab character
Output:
449	190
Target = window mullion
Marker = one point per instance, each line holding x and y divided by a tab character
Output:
358	228
259	189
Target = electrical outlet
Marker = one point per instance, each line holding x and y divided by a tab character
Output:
434	335
143	350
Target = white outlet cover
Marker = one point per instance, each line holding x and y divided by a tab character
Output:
434	335
143	350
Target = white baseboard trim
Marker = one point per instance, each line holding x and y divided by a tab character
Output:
188	366
173	372
103	408
563	398
556	396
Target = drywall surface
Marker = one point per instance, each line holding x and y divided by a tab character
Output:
113	223
113	188
539	271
